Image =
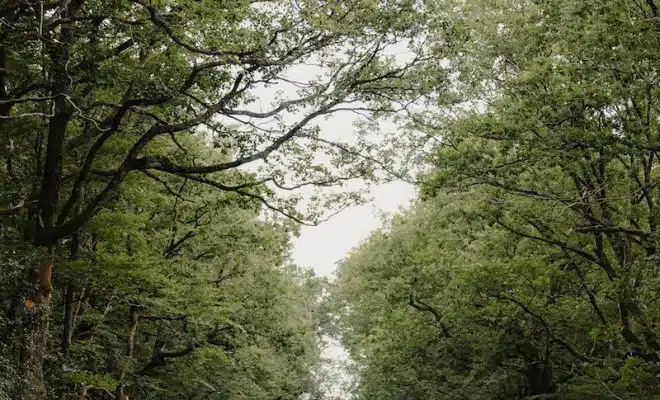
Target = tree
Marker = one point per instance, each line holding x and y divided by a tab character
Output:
185	296
92	93
425	315
446	303
539	211
568	141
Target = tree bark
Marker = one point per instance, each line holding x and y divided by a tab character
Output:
539	375
33	346
34	338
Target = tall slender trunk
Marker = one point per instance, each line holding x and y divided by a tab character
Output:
130	350
4	107
34	339
539	370
539	375
67	332
33	346
68	320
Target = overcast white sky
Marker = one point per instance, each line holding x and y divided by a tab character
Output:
320	247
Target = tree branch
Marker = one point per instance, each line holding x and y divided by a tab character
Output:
546	327
423	307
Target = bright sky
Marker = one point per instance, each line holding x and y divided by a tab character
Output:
320	247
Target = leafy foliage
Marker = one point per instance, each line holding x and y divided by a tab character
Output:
141	258
181	297
529	269
148	197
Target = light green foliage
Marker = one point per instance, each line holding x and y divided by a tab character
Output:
445	304
529	269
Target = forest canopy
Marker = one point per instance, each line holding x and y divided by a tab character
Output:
158	157
529	267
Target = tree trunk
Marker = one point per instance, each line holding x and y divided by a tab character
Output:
68	320
68	300
34	338
538	371
130	350
539	375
